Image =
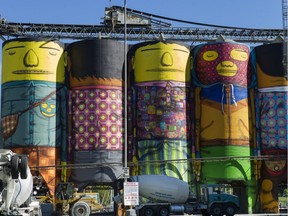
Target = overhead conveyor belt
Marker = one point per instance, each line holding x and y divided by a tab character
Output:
187	34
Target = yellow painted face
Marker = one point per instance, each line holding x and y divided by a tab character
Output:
32	60
48	109
160	61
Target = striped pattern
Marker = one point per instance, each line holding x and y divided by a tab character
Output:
156	155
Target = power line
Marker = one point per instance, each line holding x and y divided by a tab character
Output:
182	21
159	162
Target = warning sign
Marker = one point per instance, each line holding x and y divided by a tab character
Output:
125	172
131	193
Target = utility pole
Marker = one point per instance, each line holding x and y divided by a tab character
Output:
130	211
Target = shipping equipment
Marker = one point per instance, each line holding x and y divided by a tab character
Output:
69	201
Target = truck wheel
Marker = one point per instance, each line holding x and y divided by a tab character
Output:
148	211
216	210
163	211
80	209
15	166
204	212
56	213
230	210
23	167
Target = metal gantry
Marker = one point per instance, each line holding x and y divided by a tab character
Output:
75	32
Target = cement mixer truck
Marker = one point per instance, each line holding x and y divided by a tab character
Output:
163	195
16	186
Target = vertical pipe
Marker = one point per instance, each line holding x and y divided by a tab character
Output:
125	87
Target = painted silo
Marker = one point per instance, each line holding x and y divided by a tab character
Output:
221	79
271	118
95	109
34	103
160	82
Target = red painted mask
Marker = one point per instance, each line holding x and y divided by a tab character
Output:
223	63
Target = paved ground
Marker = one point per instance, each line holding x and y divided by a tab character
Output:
280	214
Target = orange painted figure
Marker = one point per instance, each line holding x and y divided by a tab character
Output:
221	79
271	121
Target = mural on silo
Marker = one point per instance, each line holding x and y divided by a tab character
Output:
215	110
271	119
34	103
221	79
95	109
160	81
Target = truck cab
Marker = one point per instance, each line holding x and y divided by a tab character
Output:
219	199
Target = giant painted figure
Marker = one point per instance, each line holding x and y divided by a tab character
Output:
221	78
160	80
95	109
271	116
34	103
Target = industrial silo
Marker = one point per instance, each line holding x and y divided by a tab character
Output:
34	104
159	80
96	110
271	124
221	79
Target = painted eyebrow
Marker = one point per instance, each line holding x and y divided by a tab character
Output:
160	48
240	50
15	47
42	46
150	49
47	47
181	50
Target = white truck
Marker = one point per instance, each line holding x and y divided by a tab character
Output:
163	195
16	186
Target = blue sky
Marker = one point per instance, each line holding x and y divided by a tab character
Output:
240	13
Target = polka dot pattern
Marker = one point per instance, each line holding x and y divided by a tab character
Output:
97	119
273	120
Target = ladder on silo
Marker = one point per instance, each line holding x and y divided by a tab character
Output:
285	29
285	13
